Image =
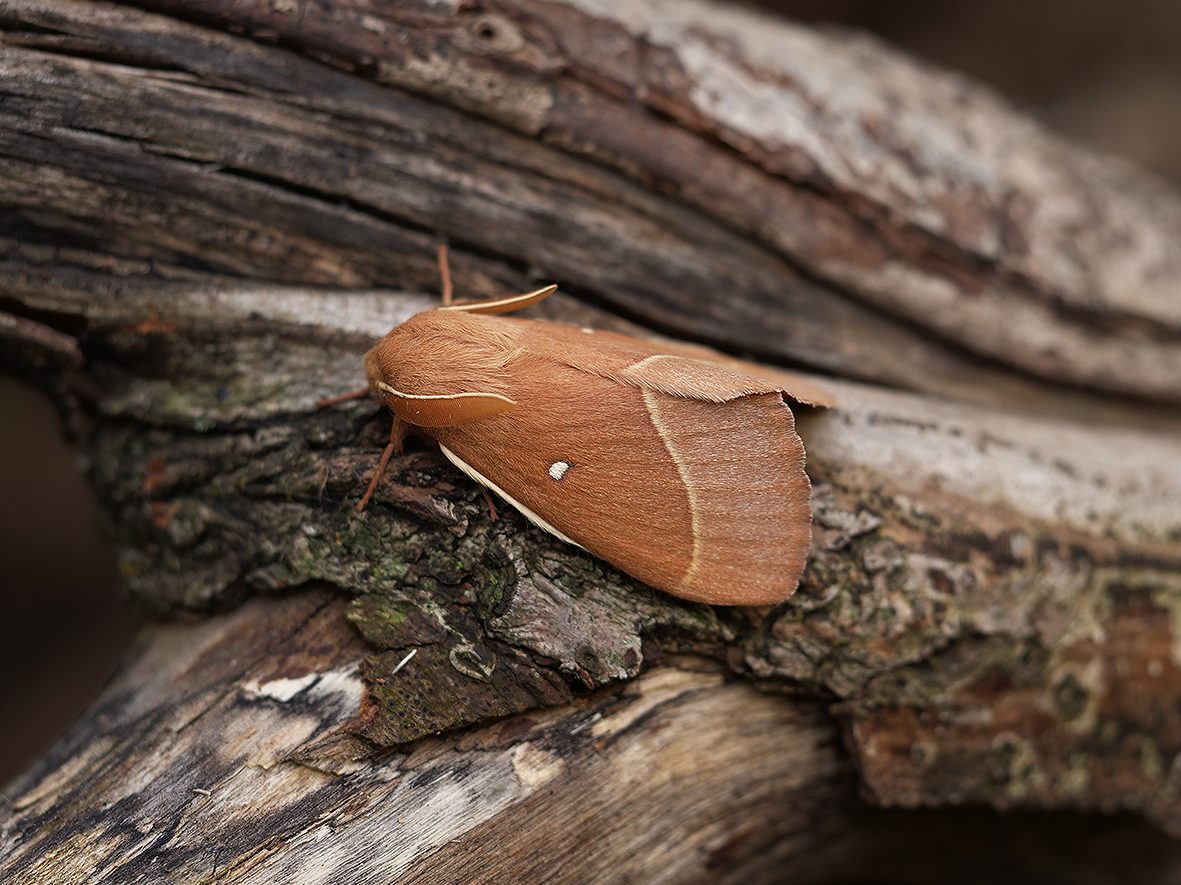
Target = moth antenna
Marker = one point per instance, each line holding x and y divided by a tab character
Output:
504	305
491	506
397	437
445	273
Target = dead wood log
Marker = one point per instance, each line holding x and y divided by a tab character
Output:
202	200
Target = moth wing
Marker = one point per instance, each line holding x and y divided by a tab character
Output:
675	367
701	494
444	410
798	387
692	379
743	464
439	369
736	447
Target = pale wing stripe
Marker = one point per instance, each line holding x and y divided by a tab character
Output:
649	359
683	469
390	390
525	511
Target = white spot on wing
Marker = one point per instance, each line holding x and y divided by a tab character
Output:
557	470
525	511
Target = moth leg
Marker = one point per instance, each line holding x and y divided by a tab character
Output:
491	506
343	397
398	430
445	273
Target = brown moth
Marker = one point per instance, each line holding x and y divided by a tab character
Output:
686	474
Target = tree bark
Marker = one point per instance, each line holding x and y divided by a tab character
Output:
212	208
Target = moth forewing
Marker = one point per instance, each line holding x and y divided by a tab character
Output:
683	473
444	410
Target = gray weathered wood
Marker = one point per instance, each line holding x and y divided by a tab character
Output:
212	208
257	786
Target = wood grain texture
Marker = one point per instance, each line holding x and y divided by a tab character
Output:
608	231
989	616
978	239
240	713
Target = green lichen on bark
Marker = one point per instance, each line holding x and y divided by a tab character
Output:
915	607
215	490
989	659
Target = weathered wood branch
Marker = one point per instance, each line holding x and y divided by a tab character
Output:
254	785
200	203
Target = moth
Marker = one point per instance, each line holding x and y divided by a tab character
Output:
684	473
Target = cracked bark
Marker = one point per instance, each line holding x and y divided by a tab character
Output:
202	200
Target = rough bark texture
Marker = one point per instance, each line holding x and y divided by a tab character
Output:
199	201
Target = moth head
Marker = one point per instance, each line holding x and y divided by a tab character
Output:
442	369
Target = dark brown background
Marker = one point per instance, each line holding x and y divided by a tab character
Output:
1103	73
